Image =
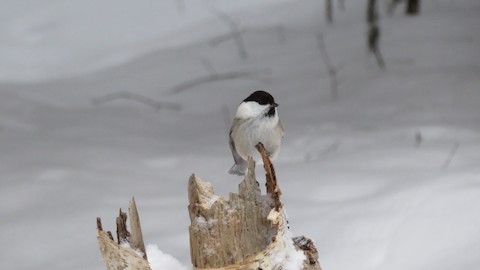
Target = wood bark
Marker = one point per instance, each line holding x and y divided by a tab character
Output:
128	253
246	231
249	231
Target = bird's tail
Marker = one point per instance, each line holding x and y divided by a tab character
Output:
238	169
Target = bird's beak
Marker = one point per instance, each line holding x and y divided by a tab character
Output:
274	105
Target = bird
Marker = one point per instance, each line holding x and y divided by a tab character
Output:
256	120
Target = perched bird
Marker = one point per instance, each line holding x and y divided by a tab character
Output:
256	121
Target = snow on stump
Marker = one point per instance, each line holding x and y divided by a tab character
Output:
247	231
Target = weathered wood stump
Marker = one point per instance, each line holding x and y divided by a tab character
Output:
249	231
128	253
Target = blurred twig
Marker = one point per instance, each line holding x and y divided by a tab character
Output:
332	70
208	66
235	33
224	37
314	155
451	155
155	104
255	74
329	11
373	33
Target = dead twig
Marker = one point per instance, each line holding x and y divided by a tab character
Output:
329	11
255	75
271	178
373	33
157	105
451	155
235	33
222	38
316	154
208	66
332	70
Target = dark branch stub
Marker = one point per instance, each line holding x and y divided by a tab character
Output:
123	235
271	178
99	224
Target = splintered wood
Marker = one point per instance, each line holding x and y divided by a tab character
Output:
247	231
129	252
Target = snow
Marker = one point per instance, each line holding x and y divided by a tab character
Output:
54	39
161	261
354	175
286	257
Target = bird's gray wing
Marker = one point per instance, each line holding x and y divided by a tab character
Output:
240	165
280	126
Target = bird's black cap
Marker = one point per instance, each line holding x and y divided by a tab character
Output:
262	98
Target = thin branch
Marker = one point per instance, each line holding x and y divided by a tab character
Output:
208	66
314	155
373	33
255	75
451	155
329	11
332	70
418	138
271	178
224	37
236	33
157	105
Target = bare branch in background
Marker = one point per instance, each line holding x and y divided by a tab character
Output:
155	104
332	70
392	5
329	11
418	138
412	7
373	33
224	37
451	155
317	154
235	33
208	66
255	74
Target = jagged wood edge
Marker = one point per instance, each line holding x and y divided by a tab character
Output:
116	256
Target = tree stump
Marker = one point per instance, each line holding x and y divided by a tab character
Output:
249	231
128	253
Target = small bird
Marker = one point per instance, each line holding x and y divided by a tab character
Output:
256	121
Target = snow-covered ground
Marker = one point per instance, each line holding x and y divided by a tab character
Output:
387	177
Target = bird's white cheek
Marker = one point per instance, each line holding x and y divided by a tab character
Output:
250	109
